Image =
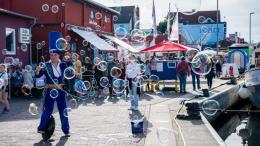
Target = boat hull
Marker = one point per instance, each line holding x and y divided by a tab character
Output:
252	81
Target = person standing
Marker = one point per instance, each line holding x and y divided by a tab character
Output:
218	68
132	71
183	70
4	88
27	77
195	77
54	70
147	72
210	76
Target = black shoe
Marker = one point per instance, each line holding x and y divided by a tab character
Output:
67	135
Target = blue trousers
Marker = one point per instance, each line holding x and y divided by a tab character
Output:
133	95
195	77
182	78
48	109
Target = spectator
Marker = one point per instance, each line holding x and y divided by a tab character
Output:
147	71
77	65
16	81
111	64
4	88
210	76
218	69
132	71
27	77
183	70
89	70
194	78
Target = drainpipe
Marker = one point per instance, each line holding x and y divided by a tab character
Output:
30	57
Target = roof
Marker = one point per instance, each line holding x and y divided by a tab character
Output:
102	6
16	14
199	17
126	13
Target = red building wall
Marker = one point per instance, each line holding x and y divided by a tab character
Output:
9	21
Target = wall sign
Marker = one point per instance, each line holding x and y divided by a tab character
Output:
24	35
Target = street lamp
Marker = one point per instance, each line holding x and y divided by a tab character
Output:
250	15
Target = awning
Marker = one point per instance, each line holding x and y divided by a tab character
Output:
121	43
95	40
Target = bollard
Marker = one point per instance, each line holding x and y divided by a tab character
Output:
176	86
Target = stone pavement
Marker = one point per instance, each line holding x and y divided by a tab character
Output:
94	122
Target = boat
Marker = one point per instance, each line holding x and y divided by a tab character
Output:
252	78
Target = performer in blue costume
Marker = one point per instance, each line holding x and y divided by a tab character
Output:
54	71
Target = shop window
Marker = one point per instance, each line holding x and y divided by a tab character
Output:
10	41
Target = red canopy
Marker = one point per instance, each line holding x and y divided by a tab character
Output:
165	47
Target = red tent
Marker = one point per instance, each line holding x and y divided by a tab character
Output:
166	47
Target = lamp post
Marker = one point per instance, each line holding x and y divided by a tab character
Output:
217	27
250	15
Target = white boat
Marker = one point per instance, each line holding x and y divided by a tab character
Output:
252	78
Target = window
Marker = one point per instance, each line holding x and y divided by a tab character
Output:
10	41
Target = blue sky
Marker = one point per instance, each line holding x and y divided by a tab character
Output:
234	12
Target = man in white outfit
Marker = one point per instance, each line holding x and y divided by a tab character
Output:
132	71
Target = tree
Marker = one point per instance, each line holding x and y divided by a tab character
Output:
162	27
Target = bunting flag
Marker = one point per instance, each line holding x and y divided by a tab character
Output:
174	35
154	21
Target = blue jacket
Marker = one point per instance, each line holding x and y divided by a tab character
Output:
48	72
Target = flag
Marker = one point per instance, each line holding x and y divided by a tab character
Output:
154	21
168	26
174	36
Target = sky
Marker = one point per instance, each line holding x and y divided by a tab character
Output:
234	12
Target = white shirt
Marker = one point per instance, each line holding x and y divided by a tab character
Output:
56	70
133	70
4	77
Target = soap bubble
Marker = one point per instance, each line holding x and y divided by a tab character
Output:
201	64
210	107
115	18
33	109
38	46
154	79
8	60
69	73
98	15
68	38
112	142
26	90
4	51
119	86
80	87
115	72
139	81
105	91
142	68
73	104
102	66
110	58
54	93
62	44
97	60
45	7
121	32
55	9
24	47
66	112
82	52
104	82
85	43
167	136
42	65
188	7
87	85
138	35
40	83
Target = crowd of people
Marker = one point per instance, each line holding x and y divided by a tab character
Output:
22	81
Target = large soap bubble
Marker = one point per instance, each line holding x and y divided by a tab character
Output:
80	87
188	7
102	66
116	72
69	73
119	86
154	79
104	81
201	64
54	93
210	107
62	44
33	109
73	104
139	81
